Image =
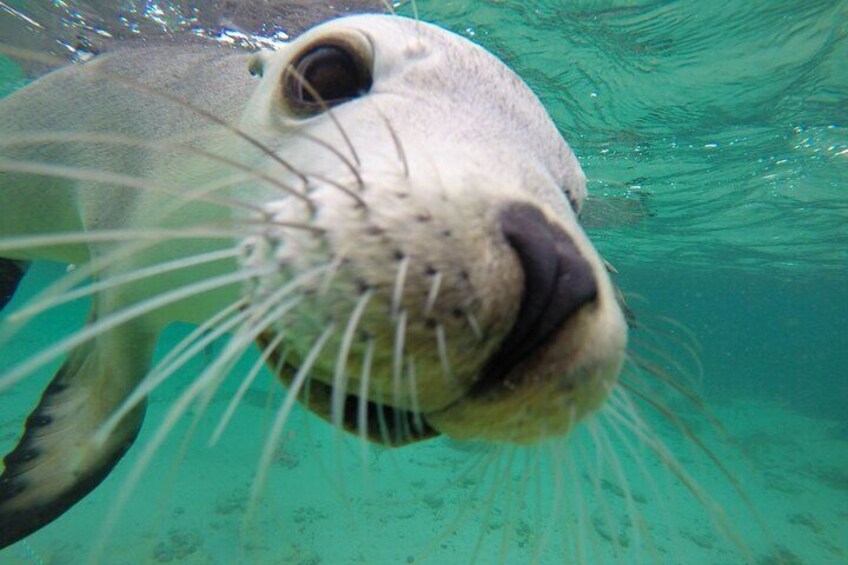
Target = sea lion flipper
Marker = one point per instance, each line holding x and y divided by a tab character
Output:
59	458
11	273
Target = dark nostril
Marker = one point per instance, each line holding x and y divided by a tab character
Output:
558	281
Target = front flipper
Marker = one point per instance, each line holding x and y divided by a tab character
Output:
58	460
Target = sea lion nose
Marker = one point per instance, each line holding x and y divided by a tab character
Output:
558	281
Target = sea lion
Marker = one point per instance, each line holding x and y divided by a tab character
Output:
385	201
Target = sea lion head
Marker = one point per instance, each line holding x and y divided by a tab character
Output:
430	228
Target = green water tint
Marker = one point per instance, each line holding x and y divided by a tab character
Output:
714	138
10	77
727	121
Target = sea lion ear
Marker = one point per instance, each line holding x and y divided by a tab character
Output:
60	458
257	62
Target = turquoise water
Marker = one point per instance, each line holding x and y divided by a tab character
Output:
715	138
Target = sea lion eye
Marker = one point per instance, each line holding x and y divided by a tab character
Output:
324	76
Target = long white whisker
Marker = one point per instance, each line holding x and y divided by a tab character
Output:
433	294
329	112
362	400
336	184
261	325
209	231
442	346
215	119
176	358
244	386
236	347
647	476
360	184
118	179
56	62
122	316
397	369
482	463
396	141
387	4
475	325
400	282
580	539
252	326
417	421
175	412
501	475
32	138
340	377
46	303
285	410
262	316
200	332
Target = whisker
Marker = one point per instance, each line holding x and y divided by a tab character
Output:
480	464
20	243
433	294
46	303
186	350
362	401
118	179
397	370
325	108
577	540
354	169
387	4
39	137
396	141
122	316
632	378
658	498
641	354
442	346
400	282
219	230
244	386
340	377
605	448
285	410
133	241
541	529
474	324
385	437
561	457
520	495
687	431
262	316
417	421
214	119
175	412
415	13
360	202
128	81
655	445
501	476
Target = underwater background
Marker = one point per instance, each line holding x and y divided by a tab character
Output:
715	138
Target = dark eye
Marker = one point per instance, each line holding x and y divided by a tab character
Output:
326	76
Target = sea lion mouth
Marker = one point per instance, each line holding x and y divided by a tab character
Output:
379	423
558	282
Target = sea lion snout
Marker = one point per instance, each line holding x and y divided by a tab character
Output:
558	281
